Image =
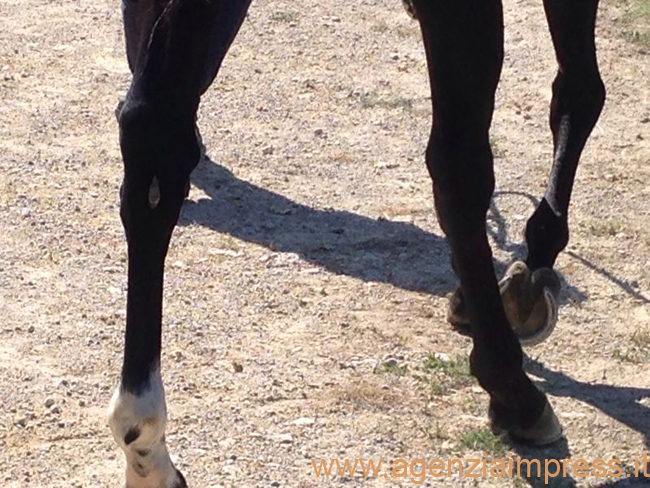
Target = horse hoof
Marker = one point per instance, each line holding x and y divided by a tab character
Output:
547	430
530	302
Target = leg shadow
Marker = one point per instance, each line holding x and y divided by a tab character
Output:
372	250
544	464
618	402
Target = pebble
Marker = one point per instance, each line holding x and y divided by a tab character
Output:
284	438
304	421
390	362
441	356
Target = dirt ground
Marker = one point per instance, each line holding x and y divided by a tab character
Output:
308	253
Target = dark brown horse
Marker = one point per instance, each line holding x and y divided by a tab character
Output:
175	49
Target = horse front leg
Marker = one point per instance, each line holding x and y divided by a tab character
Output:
159	153
464	44
531	289
160	149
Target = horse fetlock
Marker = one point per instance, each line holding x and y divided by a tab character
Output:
137	421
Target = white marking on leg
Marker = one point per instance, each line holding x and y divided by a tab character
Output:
154	193
138	425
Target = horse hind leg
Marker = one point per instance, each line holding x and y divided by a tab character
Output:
578	98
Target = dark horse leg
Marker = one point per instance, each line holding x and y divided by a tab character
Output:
464	44
578	98
529	290
175	48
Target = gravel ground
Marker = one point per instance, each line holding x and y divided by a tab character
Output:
308	252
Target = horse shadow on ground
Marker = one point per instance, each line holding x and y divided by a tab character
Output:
372	250
401	254
621	403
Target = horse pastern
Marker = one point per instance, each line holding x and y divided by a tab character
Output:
138	420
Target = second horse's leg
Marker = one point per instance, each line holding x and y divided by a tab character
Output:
578	98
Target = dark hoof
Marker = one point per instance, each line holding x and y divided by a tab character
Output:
547	430
530	302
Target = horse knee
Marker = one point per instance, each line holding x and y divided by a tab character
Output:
460	166
159	153
578	92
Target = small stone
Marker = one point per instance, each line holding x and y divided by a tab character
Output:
31	329
441	356
390	362
304	421
284	438
237	367
386	165
49	403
